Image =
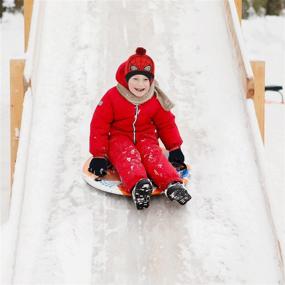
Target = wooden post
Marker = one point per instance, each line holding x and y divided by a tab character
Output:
16	106
239	8
258	68
28	7
18	87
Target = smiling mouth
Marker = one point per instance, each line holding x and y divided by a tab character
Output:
139	90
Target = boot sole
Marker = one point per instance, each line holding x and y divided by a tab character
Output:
142	198
181	196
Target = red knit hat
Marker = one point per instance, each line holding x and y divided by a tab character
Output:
139	63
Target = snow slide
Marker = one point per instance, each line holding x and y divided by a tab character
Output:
64	232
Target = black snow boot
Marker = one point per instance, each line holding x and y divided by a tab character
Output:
178	192
141	193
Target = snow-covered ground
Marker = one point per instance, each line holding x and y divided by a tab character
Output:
69	234
265	40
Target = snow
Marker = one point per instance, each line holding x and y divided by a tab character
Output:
274	146
265	40
60	231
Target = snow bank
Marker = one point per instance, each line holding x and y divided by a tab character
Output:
10	230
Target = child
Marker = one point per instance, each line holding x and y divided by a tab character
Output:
125	129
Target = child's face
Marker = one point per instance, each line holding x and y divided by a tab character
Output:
139	85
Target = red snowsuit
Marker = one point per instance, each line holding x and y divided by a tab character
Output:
127	135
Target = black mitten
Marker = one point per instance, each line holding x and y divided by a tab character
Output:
176	156
98	166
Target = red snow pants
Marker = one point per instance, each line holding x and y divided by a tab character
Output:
141	160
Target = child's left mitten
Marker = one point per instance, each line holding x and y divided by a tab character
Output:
176	156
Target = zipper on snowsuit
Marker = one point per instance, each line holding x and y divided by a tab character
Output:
134	123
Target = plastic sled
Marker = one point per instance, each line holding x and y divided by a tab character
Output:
111	182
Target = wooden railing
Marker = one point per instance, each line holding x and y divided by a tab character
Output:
17	91
18	86
28	7
251	73
245	69
258	68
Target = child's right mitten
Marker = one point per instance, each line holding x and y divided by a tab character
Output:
98	166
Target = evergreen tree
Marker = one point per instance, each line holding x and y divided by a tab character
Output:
2	9
10	7
274	7
259	6
19	4
245	7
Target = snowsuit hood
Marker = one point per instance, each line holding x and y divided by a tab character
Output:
120	75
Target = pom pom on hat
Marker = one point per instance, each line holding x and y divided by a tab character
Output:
140	51
139	63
